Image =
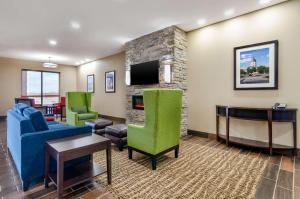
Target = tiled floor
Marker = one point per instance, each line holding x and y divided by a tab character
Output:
281	179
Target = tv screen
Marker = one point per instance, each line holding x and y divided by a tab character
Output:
145	73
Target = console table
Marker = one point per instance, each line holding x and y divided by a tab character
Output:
257	114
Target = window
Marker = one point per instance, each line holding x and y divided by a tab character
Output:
42	86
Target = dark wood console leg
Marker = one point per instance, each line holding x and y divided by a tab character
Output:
295	136
227	126
217	126
270	132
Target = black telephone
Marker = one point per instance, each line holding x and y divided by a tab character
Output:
279	106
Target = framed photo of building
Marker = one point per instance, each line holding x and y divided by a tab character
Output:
110	82
91	83
256	66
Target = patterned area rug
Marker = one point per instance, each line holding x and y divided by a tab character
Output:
204	169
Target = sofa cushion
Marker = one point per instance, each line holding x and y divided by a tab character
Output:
79	109
86	116
58	126
19	108
37	119
52	123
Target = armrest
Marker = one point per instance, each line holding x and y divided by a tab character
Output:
33	146
94	112
72	117
43	136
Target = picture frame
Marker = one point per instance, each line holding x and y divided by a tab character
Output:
110	82
256	66
91	83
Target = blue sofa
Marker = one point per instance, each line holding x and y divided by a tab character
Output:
27	133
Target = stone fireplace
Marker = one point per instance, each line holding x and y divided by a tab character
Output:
160	45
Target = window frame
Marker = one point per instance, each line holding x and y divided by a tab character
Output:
41	96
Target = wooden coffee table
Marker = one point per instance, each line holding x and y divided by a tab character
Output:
71	148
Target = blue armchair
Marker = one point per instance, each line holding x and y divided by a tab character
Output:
27	133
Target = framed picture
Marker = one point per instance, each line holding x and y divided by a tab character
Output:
110	82
91	83
256	66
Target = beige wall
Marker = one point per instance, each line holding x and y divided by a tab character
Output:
210	73
112	104
210	69
10	79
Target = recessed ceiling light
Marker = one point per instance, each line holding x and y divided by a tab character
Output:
87	60
201	22
263	2
75	25
229	12
52	42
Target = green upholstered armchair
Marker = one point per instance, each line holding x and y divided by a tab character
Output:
161	131
78	108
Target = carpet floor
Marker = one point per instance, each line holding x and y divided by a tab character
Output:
204	169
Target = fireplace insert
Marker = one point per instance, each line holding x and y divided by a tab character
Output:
137	102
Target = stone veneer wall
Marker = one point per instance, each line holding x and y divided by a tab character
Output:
168	42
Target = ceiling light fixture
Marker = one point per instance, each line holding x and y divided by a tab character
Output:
82	62
263	2
75	25
201	22
87	60
229	12
52	42
49	64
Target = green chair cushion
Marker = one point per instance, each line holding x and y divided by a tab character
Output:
86	116
79	109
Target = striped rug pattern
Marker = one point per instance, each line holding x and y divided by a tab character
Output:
204	169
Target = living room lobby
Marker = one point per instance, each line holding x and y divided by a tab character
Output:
149	99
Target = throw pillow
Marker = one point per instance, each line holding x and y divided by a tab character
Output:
20	107
37	119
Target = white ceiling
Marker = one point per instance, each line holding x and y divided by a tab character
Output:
27	25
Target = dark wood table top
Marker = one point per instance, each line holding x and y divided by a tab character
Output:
258	108
76	142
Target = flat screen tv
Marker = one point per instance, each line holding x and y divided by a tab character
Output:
144	73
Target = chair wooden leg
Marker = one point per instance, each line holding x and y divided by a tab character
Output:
120	148
129	153
176	152
154	162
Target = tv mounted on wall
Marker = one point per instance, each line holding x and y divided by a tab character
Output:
144	73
